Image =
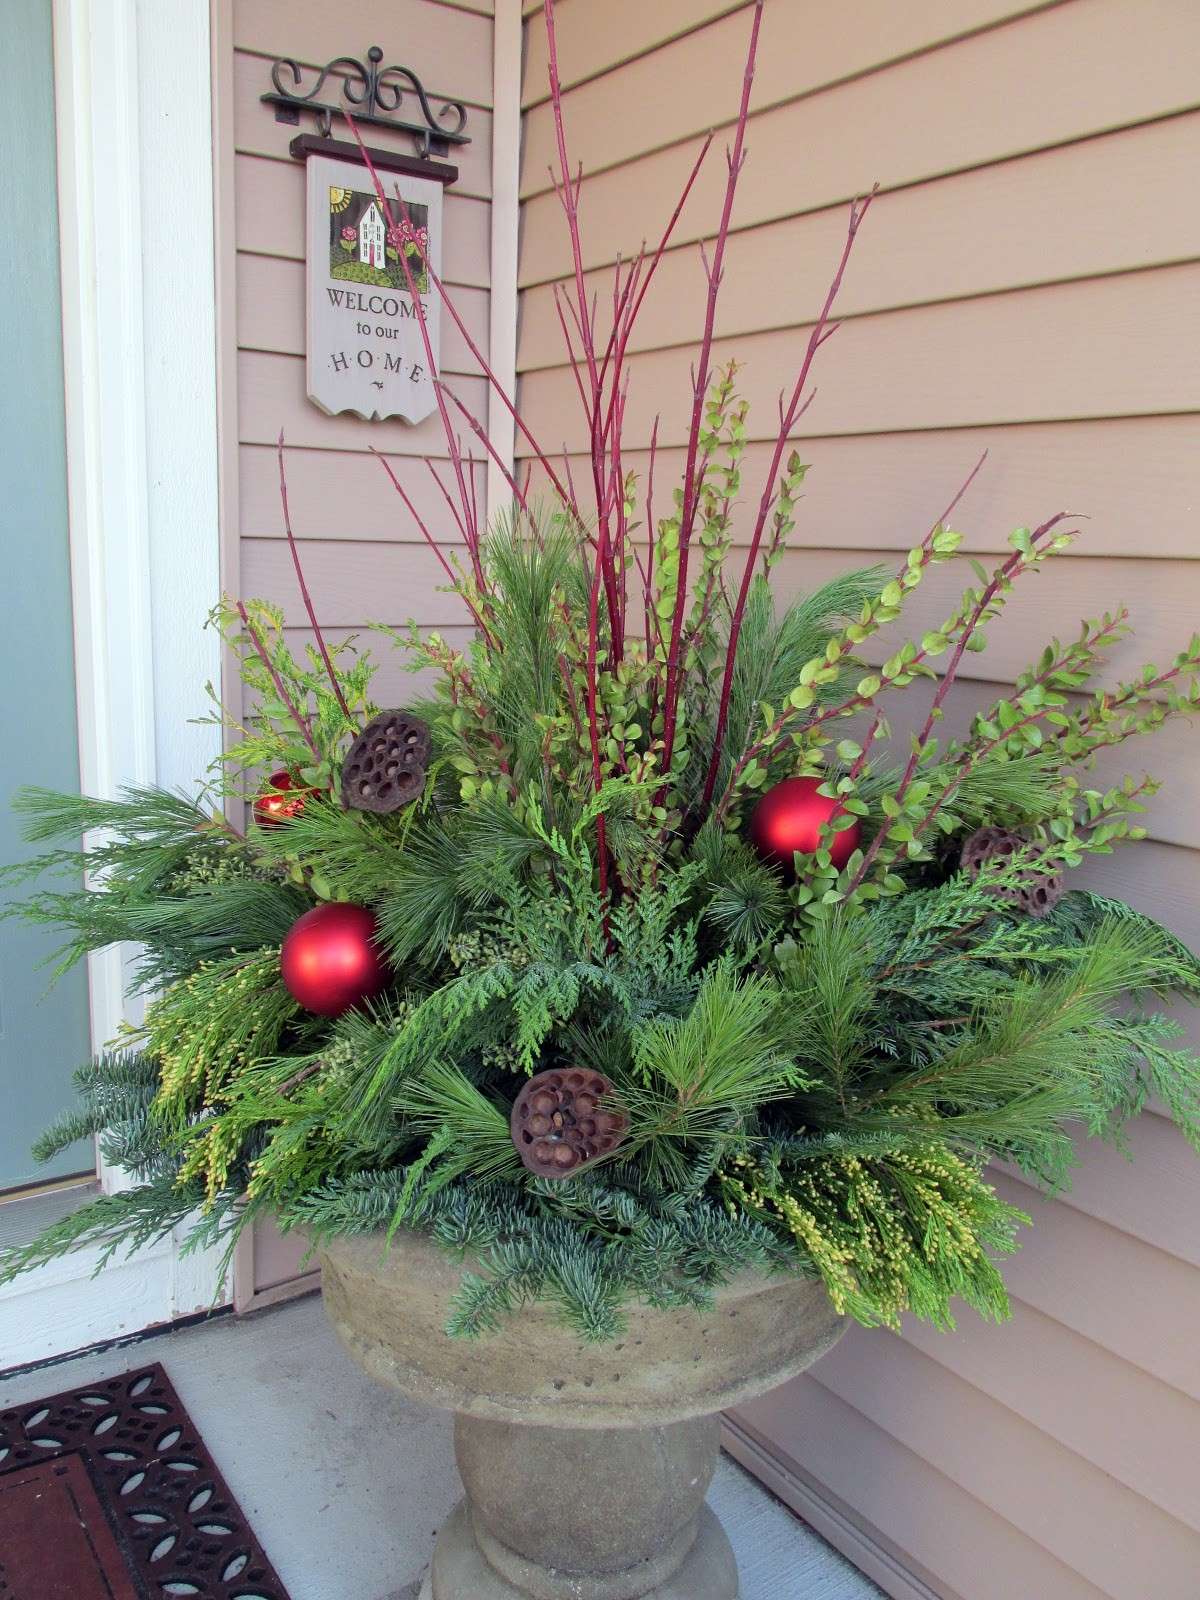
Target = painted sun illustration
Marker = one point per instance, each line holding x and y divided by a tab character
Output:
339	199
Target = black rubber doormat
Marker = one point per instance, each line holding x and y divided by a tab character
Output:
109	1493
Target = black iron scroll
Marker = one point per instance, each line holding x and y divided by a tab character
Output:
370	94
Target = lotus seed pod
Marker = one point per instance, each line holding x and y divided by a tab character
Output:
384	769
559	1124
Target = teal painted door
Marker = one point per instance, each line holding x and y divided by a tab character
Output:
43	1035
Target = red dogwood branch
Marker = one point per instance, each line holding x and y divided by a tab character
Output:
481	434
691	487
567	188
471	532
445	493
307	598
286	700
787	421
433	545
565	494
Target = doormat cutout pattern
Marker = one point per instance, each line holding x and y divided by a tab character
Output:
181	1533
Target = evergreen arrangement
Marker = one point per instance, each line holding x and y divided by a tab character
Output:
639	953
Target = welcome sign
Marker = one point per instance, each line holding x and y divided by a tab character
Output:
366	353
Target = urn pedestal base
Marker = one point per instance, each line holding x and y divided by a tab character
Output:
585	1467
459	1570
584	1514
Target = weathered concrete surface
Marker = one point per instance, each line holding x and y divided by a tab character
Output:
390	1306
460	1571
617	1503
585	1466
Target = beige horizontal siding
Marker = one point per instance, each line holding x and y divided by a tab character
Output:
1163	597
360	548
321	482
837	41
1040	219
1035	612
1110	1186
1106	1284
1076	1511
271	396
882	491
1104	347
591	41
1059	75
1138	1435
815	54
956	1543
340	573
1171	819
1061	1525
1026	283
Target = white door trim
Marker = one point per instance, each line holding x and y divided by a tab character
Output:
139	356
96	110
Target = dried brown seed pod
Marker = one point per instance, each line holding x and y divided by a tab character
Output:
1042	888
989	844
384	768
560	1122
1041	896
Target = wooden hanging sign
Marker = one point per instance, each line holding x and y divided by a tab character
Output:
366	352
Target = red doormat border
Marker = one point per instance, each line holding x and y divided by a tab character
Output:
180	1531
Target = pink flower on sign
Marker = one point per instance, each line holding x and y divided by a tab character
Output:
403	233
350	235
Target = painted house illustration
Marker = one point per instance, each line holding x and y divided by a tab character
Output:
372	236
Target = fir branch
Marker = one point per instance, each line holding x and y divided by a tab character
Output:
117	1090
128	1220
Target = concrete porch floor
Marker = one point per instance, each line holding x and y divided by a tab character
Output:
347	1485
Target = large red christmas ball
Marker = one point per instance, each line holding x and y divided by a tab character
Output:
281	800
789	818
330	961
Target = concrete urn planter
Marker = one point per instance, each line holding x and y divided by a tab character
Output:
585	1466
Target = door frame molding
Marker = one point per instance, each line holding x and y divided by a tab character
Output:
139	359
99	198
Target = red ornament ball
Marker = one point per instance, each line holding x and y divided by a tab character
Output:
281	800
789	818
330	961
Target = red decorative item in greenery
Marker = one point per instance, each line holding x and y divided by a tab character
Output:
283	798
789	818
330	960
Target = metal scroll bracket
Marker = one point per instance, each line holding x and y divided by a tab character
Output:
385	97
